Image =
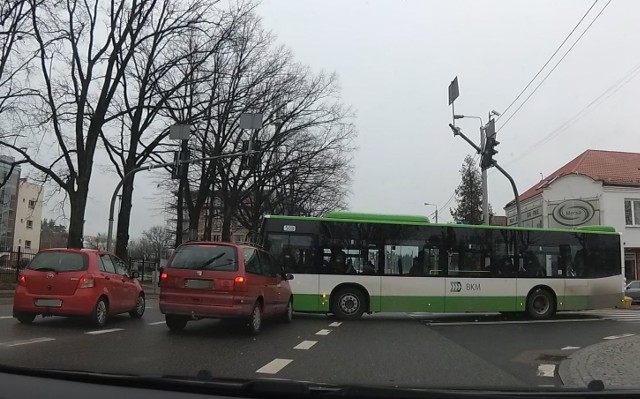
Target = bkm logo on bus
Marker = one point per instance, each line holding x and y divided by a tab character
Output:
456	286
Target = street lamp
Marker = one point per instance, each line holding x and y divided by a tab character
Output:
436	206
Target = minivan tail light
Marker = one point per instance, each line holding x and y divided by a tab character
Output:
22	280
86	282
163	276
240	283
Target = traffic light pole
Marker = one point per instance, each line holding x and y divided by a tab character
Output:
458	132
485	189
515	191
157	166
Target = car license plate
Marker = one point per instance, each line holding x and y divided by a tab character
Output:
198	283
50	303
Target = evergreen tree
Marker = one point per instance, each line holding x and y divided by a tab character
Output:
469	194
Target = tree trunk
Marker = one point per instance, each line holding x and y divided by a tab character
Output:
179	214
226	223
194	220
208	223
124	219
78	203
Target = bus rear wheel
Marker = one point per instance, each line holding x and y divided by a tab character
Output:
348	303
541	304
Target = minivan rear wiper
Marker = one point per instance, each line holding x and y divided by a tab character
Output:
210	261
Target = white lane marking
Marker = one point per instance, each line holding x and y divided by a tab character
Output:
148	307
478	323
323	332
156	323
335	324
6	317
618	336
546	370
570	348
28	341
274	366
305	345
110	330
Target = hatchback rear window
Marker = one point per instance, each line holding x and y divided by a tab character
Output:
206	257
59	262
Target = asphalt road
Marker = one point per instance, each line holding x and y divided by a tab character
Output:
416	349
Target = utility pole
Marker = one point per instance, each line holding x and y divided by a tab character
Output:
485	188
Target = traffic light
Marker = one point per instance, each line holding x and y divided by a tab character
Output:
488	152
251	161
179	170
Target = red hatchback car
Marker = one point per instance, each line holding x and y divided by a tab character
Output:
223	280
77	282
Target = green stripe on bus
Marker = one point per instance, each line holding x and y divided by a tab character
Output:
452	304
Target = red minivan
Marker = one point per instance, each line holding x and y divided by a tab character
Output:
77	282
223	280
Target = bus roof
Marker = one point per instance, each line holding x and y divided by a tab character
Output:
342	216
367	217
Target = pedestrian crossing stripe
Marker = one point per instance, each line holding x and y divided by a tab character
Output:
614	314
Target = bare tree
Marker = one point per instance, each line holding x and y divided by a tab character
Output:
84	49
159	240
185	36
303	122
99	241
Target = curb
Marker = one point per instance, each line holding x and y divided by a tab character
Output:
605	361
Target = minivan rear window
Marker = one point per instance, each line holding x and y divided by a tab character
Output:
205	257
59	262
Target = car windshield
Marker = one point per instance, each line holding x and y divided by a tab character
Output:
372	193
205	257
59	262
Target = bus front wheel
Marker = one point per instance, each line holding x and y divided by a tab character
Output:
348	303
541	304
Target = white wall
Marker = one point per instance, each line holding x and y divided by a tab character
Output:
572	187
28	192
613	211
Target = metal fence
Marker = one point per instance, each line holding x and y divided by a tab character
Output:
12	262
146	269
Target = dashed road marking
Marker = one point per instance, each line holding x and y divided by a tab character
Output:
546	370
6	317
27	341
323	332
305	345
148	307
110	330
570	348
478	323
156	323
274	366
335	324
618	336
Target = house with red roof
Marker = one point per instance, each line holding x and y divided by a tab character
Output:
595	188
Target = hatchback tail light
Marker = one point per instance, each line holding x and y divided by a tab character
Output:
22	280
86	282
240	283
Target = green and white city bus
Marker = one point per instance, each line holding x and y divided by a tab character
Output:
350	263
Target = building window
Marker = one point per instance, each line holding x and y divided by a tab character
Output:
216	237
632	212
29	224
32	204
27	244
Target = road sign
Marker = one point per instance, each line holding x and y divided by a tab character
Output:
251	120
179	132
453	90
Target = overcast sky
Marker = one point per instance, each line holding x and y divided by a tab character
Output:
395	60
